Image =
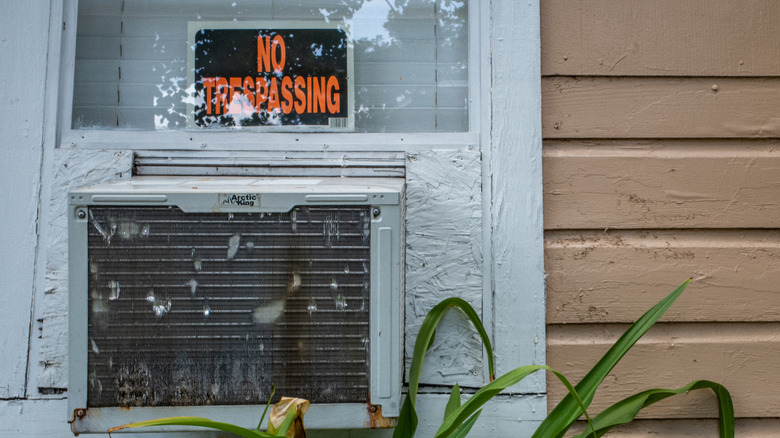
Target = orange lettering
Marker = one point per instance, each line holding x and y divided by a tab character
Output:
278	62
263	54
318	92
334	101
208	87
308	95
287	105
220	95
273	96
261	92
300	104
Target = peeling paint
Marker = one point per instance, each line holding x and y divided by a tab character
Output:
72	168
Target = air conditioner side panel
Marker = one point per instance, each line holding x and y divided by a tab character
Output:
77	308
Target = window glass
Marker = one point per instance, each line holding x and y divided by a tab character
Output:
137	65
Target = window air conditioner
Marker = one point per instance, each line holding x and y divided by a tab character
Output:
193	296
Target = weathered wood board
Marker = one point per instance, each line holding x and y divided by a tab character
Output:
660	107
661	184
22	76
661	37
598	277
745	428
741	356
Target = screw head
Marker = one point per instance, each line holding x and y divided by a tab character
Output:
376	212
81	214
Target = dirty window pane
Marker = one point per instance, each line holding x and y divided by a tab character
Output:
409	56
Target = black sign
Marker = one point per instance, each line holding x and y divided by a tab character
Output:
272	78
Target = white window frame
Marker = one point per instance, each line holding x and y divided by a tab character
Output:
504	60
266	141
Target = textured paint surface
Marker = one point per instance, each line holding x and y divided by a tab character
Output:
22	75
520	337
598	277
643	38
72	169
661	184
444	259
740	356
661	163
504	416
515	166
660	107
745	428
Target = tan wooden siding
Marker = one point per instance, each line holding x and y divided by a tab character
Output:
659	107
662	184
746	428
660	37
661	156
614	277
742	356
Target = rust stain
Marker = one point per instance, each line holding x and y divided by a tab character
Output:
376	420
78	414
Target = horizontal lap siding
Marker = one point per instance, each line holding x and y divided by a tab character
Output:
661	156
741	356
653	107
660	37
662	184
745	428
614	277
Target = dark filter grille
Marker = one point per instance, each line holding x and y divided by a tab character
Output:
200	309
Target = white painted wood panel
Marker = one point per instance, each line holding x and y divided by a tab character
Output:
70	169
444	259
504	416
22	92
522	324
515	172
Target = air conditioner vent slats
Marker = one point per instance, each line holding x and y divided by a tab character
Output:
212	308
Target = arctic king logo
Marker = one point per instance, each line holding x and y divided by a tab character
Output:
238	200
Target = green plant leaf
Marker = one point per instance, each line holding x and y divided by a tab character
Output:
626	410
453	421
198	422
286	423
407	420
465	428
566	413
454	401
267	405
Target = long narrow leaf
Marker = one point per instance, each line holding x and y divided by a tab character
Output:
454	401
286	422
407	420
627	409
453	421
465	428
562	416
198	422
267	405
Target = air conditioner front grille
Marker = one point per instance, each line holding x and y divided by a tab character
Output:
201	309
